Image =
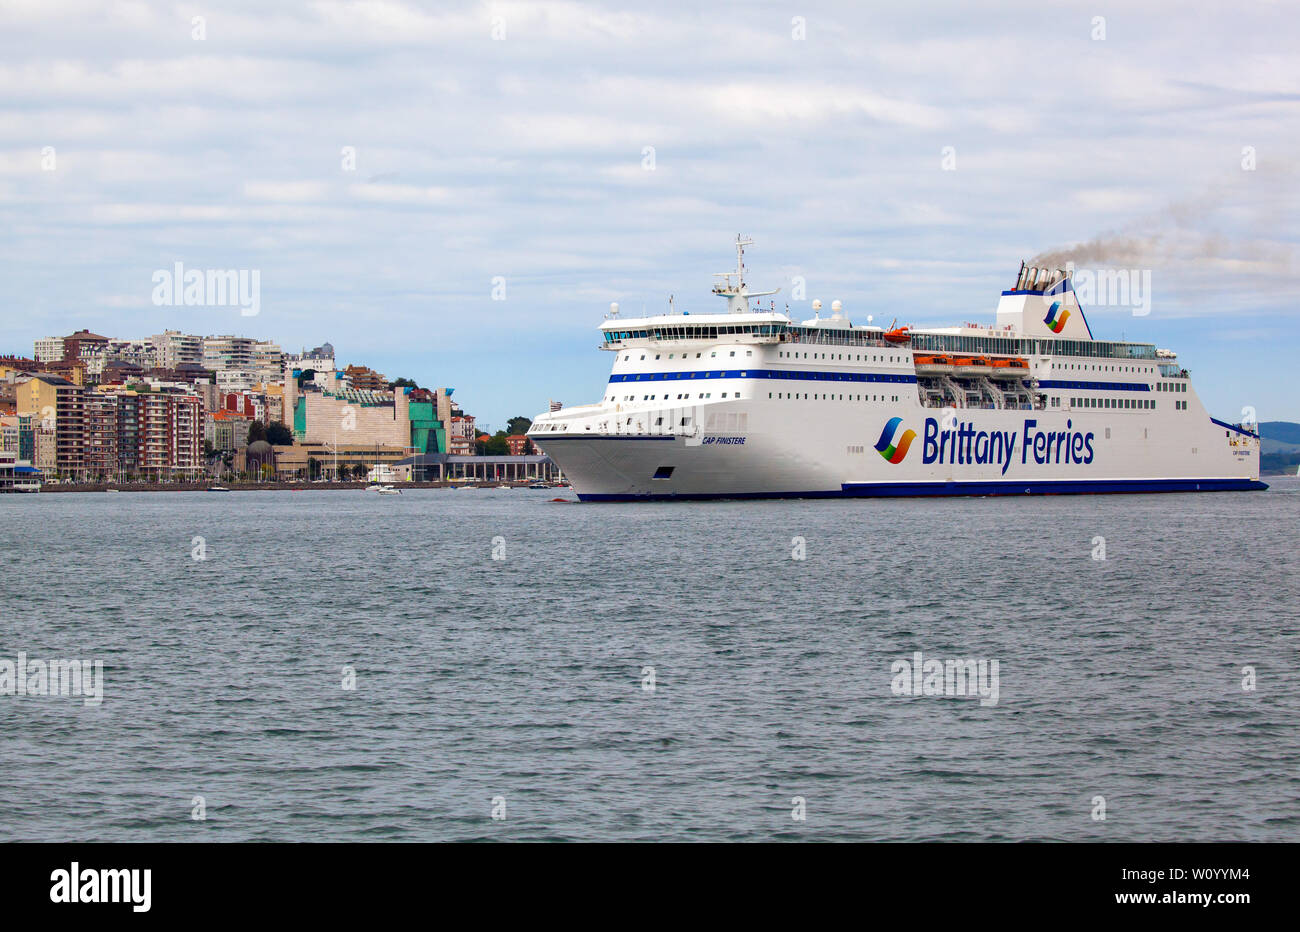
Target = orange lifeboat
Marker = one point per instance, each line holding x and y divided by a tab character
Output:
933	365
1010	368
897	335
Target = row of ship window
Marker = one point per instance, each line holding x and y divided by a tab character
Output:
789	396
1092	367
865	357
693	333
842	357
685	397
1139	403
803	396
712	355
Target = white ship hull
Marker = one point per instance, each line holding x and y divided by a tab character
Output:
813	458
827	410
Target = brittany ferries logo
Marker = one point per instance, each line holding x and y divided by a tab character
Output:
1056	317
890	446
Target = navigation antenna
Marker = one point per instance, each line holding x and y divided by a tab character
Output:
735	291
741	243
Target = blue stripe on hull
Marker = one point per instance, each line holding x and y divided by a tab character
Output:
928	489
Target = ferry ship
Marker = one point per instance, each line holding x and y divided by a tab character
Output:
748	403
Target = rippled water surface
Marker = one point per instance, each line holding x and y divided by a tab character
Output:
522	678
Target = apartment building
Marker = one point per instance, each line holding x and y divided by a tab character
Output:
48	349
58	405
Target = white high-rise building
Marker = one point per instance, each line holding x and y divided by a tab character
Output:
268	361
175	348
228	352
48	349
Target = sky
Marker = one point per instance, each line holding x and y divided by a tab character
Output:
455	192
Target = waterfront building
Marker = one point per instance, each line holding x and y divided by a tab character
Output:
100	436
326	410
59	405
442	467
329	461
17	475
170	435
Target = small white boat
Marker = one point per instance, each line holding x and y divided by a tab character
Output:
388	490
211	488
505	487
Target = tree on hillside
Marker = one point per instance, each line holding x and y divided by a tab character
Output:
256	432
408	383
518	425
